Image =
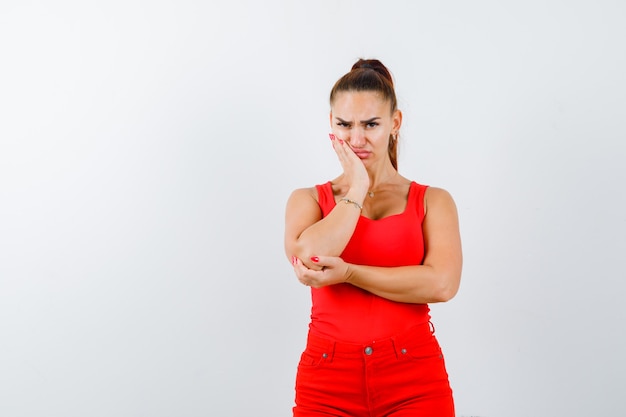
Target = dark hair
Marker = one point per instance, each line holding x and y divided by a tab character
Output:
371	75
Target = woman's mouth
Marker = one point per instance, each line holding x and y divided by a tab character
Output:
362	154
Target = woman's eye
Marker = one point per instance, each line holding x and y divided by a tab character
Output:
372	124
342	124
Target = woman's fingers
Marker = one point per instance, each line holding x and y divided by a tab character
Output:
352	166
307	276
340	149
333	271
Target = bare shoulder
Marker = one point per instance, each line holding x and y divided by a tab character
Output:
438	199
304	195
303	204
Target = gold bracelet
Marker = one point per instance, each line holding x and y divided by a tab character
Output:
348	201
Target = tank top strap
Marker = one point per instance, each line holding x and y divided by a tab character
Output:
416	199
325	197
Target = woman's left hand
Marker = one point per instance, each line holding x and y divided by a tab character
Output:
333	271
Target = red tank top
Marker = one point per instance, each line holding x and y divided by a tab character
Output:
346	313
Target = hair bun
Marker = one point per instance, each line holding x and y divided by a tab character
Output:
375	65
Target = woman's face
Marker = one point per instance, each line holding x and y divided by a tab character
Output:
364	120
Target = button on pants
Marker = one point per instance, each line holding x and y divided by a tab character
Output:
401	376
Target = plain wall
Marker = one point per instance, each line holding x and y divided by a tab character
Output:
147	150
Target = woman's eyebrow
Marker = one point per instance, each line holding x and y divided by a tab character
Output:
373	119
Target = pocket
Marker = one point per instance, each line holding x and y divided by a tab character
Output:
428	363
310	359
429	349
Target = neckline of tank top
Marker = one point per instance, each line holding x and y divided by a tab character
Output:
412	185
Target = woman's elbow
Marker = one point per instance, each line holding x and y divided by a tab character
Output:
447	289
444	295
298	249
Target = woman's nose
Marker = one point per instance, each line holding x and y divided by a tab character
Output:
357	138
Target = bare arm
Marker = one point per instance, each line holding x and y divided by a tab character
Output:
306	232
436	280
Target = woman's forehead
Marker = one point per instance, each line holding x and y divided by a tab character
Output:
360	101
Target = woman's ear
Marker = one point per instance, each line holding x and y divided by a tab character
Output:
397	120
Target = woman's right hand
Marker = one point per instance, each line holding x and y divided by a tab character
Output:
330	270
353	168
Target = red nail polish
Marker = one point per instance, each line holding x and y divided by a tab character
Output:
315	259
293	260
331	136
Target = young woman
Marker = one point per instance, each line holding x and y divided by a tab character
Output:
375	248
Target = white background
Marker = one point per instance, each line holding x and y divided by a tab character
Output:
147	150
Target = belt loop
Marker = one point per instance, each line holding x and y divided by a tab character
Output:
396	347
330	351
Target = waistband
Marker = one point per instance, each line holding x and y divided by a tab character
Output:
399	344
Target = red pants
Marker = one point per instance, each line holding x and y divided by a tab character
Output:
404	375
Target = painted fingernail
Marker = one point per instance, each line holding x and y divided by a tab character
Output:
293	260
315	259
341	141
331	136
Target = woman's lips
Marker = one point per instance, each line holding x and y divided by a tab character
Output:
362	154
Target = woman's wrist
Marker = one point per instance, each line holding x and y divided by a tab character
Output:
349	273
357	194
355	197
354	203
